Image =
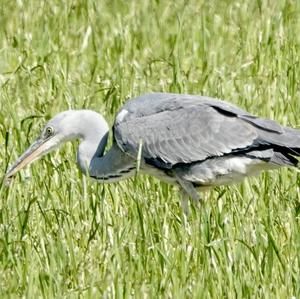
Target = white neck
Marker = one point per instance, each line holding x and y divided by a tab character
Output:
88	150
93	130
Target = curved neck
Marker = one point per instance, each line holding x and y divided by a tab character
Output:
89	149
111	167
114	166
93	130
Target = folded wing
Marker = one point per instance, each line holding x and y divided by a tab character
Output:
181	129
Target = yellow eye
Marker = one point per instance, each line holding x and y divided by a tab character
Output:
49	131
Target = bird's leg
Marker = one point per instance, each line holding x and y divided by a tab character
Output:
188	190
184	202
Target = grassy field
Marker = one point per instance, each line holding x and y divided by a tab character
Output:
65	236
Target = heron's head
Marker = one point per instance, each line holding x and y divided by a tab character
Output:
65	126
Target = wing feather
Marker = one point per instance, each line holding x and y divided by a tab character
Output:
184	131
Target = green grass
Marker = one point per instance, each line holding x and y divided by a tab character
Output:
65	236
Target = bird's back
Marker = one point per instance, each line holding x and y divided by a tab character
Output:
202	139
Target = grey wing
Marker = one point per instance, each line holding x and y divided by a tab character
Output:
184	129
183	135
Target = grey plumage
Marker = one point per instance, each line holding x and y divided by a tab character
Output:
200	142
191	141
187	129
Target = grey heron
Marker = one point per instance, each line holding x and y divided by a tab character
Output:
194	142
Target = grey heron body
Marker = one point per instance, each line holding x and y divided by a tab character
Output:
191	141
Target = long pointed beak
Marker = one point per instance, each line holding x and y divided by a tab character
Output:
36	150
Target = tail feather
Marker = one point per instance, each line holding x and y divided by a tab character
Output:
284	159
280	156
285	145
289	138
